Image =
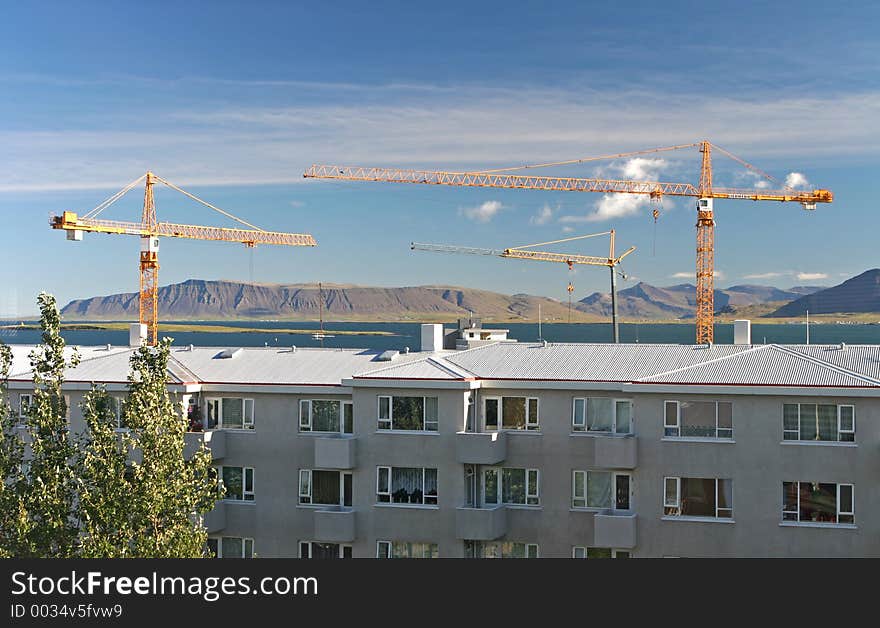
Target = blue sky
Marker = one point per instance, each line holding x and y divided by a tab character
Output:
234	100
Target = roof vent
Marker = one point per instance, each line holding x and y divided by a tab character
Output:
406	350
192	348
228	354
543	343
387	356
293	348
108	347
843	346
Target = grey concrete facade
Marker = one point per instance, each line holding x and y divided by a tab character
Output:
756	459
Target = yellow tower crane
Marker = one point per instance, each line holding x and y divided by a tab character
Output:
150	230
527	252
704	191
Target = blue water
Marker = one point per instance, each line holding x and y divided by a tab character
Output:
408	334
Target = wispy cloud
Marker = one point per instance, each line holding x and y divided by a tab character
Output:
482	213
544	215
612	206
811	276
567	229
448	127
770	275
693	275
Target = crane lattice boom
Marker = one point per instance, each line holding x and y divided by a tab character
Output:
704	191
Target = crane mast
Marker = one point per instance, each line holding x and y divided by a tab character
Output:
704	192
149	230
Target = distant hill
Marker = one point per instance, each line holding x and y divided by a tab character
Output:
201	299
858	294
646	301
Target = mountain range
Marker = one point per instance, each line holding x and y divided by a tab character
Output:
221	299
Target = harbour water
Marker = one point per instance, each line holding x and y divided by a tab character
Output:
407	334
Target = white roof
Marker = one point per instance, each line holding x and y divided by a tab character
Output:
755	365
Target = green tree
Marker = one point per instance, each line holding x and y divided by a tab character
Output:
45	525
11	458
139	496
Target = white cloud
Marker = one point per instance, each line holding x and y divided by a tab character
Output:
297	204
811	276
762	184
482	213
543	216
769	275
642	168
567	229
409	125
693	275
796	180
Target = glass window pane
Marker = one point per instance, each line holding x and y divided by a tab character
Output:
827	423
490	486
513	486
430	486
671	416
846	498
698	419
407	413
579	478
248	548
624	417
599	489
818	502
533	411
232	416
231	547
513	412
406	485
579	552
233	481
725	498
599	414
492	409
598	552
325	487
431	413
698	497
725	415
579	418
789	501
382	481
671	492
790	416
384	408
808	422
212	547
847	418
325	416
348	415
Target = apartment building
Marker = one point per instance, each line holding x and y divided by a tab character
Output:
516	449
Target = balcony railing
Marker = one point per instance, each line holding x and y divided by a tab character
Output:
480	524
335	452
335	524
616	530
481	447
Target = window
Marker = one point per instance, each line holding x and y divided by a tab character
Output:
408	413
601	489
698	497
816	422
239	483
231	413
510	413
115	409
601	414
325	488
322	415
818	502
500	549
698	419
25	401
406	485
511	486
598	552
313	549
231	547
401	549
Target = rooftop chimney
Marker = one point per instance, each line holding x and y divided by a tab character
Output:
137	334
432	337
742	332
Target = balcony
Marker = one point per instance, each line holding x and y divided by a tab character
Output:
334	452
334	524
215	520
481	447
614	530
616	452
480	524
215	441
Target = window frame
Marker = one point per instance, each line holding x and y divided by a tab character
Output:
528	425
585	549
390	420
342	549
676	505
678	417
584	427
387	548
840	432
245	540
22	407
614	475
388	493
244	483
307	426
838	512
247	424
499	486
309	492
